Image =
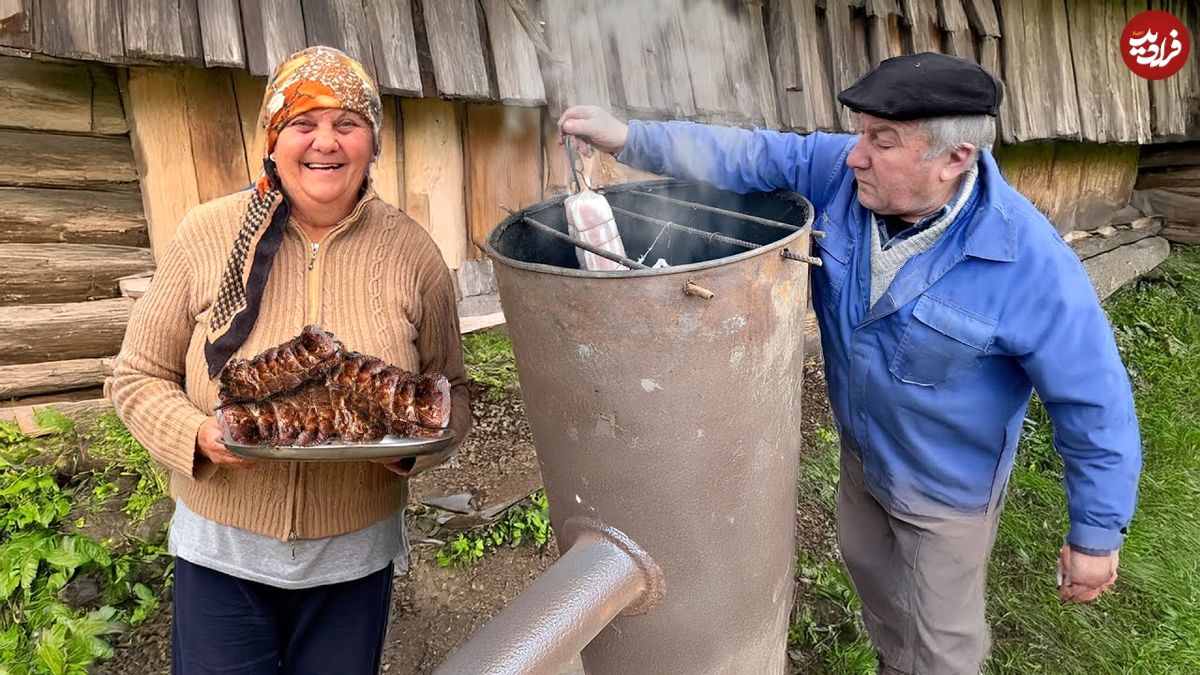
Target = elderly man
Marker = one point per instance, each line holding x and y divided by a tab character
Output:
944	297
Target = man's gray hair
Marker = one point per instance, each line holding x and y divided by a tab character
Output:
944	133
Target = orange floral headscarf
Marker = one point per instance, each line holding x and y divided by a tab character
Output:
311	79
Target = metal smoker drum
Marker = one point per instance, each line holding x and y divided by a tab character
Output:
671	417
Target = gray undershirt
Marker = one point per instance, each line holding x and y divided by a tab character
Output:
304	563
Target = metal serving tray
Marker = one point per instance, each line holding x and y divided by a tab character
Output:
388	447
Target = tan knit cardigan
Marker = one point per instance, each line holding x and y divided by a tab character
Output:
377	281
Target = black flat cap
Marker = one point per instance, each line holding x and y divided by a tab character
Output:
924	85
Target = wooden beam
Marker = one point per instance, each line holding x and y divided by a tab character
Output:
18	24
46	96
35	215
43	273
434	174
56	332
341	24
1110	271
394	46
82	29
221	30
32	379
922	19
274	29
212	112
249	92
752	65
160	129
1174	99
518	77
953	20
983	18
108	115
459	69
65	161
845	63
163	30
387	173
504	163
713	84
1107	238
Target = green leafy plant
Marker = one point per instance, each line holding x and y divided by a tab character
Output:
490	363
111	440
39	632
525	522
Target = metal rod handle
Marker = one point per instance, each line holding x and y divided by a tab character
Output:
690	288
725	212
579	243
815	262
703	234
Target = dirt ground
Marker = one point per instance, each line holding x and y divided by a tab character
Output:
436	609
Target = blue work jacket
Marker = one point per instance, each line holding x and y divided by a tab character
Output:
930	385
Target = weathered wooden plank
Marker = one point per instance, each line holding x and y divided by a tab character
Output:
57	332
388	170
1180	206
1114	237
558	71
162	30
587	49
17	24
504	163
1110	271
922	19
341	24
556	174
880	41
273	30
32	379
1114	103
459	70
41	273
434	173
249	92
160	130
803	87
394	46
72	216
518	76
983	17
713	85
1043	102
41	95
82	29
847	64
1169	155
65	161
1175	98
221	33
761	104
108	115
1182	234
212	112
953	20
671	61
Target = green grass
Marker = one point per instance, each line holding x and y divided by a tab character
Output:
528	521
1151	623
490	363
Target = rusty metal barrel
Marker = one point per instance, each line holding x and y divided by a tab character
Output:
673	414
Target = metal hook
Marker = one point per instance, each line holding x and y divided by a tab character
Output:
576	164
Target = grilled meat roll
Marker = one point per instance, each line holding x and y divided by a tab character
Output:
311	415
279	369
406	397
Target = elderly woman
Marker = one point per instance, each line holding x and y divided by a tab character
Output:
284	566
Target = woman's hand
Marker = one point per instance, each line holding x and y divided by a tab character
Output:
591	126
210	447
411	466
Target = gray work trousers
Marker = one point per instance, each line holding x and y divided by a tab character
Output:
921	580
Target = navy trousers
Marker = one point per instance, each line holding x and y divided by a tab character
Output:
236	627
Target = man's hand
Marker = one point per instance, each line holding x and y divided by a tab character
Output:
1085	577
209	446
591	127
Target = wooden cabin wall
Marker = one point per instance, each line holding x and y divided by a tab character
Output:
1077	186
71	225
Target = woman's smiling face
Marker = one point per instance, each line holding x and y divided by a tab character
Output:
323	156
